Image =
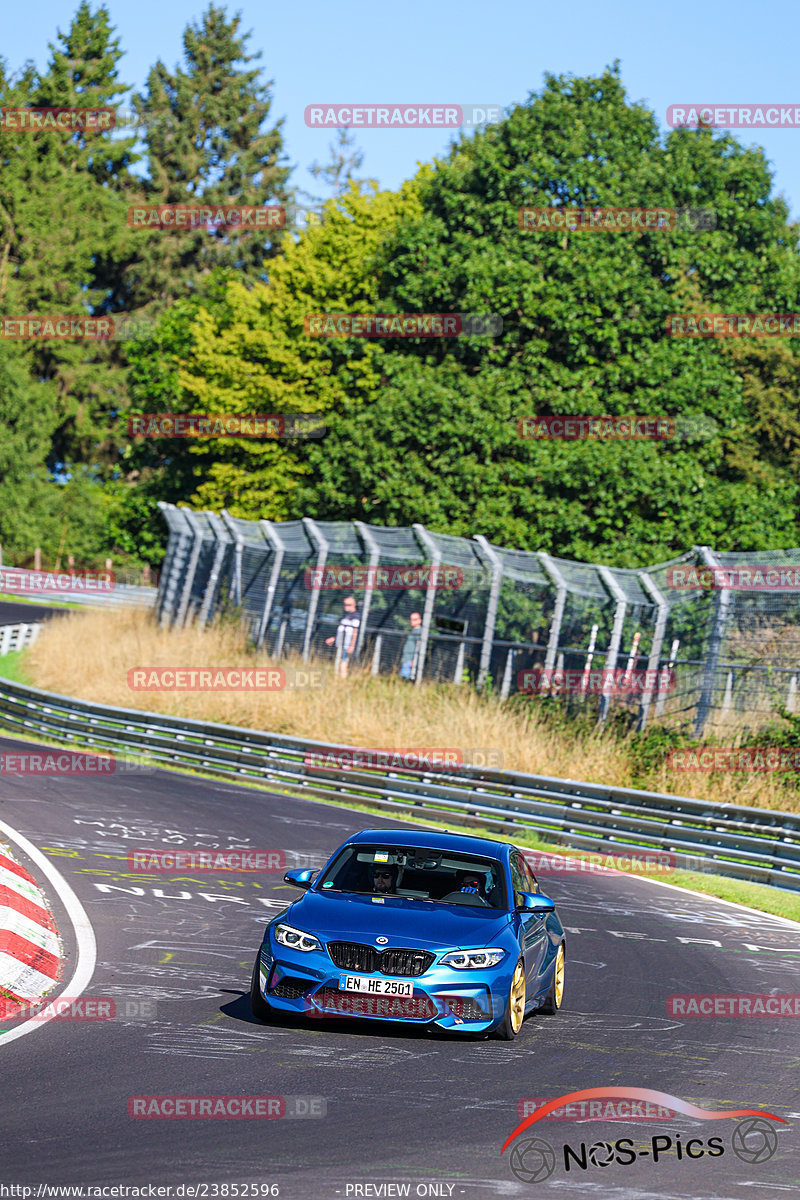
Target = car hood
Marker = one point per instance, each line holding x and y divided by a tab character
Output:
419	925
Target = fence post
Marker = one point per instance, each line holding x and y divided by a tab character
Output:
174	562
239	540
459	672
374	559
554	574
376	655
664	675
435	559
660	629
191	570
315	534
223	540
493	558
279	550
587	666
715	645
616	633
505	686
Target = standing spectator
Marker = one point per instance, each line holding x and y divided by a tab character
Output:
346	633
410	653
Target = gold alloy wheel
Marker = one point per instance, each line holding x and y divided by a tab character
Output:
558	978
518	998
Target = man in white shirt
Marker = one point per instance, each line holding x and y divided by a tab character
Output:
346	634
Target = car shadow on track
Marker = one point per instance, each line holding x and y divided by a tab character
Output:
239	1009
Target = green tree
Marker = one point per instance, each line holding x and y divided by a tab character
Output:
26	423
241	349
584	333
62	226
206	142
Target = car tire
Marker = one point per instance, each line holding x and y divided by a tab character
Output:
514	1014
555	994
257	1002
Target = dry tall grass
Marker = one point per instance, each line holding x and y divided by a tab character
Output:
88	654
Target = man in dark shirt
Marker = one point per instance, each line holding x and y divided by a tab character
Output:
409	657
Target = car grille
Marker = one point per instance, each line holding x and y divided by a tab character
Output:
290	988
353	956
465	1008
393	1008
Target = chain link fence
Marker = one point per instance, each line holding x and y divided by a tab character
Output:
703	638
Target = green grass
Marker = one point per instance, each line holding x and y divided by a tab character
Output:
46	601
12	666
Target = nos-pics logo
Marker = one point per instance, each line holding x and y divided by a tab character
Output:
533	1160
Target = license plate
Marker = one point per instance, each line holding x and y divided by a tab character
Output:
375	987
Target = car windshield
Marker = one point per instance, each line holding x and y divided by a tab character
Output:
416	873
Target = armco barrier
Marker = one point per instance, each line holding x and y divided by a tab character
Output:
762	845
17	637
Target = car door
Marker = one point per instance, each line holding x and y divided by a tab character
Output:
533	930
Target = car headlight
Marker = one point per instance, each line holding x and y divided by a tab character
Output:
469	960
287	935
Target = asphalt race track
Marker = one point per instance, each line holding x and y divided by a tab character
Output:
401	1107
15	613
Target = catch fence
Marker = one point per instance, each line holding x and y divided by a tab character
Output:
704	637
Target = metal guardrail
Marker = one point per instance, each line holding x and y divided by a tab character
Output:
762	845
17	637
13	584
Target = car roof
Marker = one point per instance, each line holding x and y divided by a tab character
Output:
434	839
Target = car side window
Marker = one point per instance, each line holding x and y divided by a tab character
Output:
517	879
531	884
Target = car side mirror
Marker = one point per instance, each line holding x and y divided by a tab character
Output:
302	878
535	902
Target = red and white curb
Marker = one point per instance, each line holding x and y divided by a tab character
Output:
30	949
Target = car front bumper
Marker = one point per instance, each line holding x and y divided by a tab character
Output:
308	984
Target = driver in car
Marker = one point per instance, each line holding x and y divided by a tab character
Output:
383	878
471	881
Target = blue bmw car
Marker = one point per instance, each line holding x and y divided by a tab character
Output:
407	925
